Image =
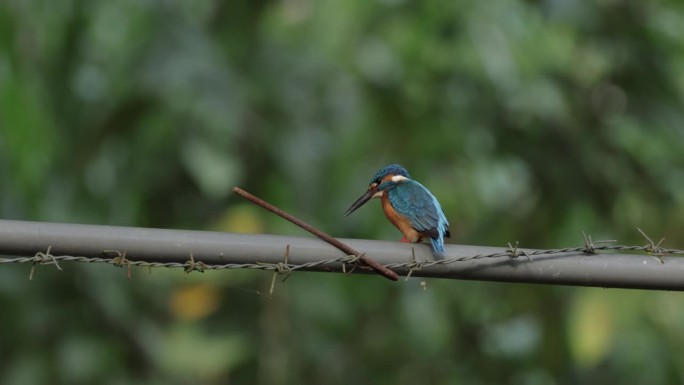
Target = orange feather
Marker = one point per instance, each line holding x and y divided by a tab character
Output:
401	222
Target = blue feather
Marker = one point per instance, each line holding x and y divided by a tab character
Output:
412	200
392	169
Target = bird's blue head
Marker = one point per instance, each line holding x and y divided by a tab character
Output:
383	179
391	170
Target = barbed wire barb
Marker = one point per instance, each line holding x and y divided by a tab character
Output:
590	244
415	264
653	248
191	265
120	260
514	253
352	260
45	258
280	269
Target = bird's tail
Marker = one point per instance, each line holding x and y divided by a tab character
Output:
437	245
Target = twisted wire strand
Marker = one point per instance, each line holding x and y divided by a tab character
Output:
46	258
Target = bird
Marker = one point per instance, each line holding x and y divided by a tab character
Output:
408	205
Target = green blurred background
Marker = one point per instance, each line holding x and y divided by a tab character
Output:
529	120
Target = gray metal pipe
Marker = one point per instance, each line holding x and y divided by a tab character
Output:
23	238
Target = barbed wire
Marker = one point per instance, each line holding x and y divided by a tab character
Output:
37	244
348	262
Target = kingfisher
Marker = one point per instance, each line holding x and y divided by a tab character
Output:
408	205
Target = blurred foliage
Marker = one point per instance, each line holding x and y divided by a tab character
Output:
529	120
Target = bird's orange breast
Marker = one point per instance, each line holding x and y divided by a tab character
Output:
400	221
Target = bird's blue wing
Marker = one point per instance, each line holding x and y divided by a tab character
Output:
412	200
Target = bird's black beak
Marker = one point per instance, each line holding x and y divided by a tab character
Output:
362	199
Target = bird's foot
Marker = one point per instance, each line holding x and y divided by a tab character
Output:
403	239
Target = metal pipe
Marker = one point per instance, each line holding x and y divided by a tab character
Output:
23	238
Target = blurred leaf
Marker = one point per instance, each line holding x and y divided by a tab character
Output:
194	356
213	170
193	302
243	218
591	327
